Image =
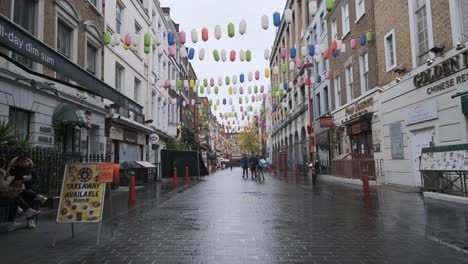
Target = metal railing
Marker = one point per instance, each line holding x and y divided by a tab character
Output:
449	182
49	165
354	168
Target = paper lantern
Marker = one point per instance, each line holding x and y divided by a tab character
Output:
264	97
208	90
300	82
299	64
230	101
319	78
307	81
276	87
186	84
363	40
212	82
192	83
194	34
312	8
183	52
287	16
248	55
228	80
266	54
147	50
267	73
241	78
197	83
284	68
353	43
106	38
234	89
170	38
204	34
202	89
230	91
117	39
329	5
334	45
171	51
292	66
283	53
182	37
234	79
232	55
326	55
231	30
128	39
262	89
215	107
201	54
253	99
250	77
224	101
210	102
327	75
246	100
255	89
265	22
223	56
369	37
257	75
216	90
242	27
292	53
242	55
336	53
191	54
240	101
220	81
217	31
180	84
276	70
276	19
205	82
285	86
241	90
311	50
216	55
249	90
167	84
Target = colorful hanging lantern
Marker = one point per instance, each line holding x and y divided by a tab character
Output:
183	52
128	39
249	90
194	35
228	80
208	90
276	87
292	66
334	45
192	83
240	101
216	55
285	86
253	99
276	70
216	90
231	30
201	54
311	50
266	54
265	22
255	89
230	90
287	16
267	73
264	97
224	101
202	89
326	55
204	34
180	84
234	79
223	56
284	68
242	55
262	89
283	53
257	75
312	8
319	78
210	102
336	53
299	64
147	50
230	101
329	5
292	53
205	82
106	38
232	55
250	76
220	81
170	38
307	81
212	82
117	39
215	107
369	37
353	43
241	90
363	40
186	84
191	54
242	27
327	75
182	37
248	55
171	51
277	19
241	78
167	84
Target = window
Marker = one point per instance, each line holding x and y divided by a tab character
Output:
24	16
349	84
396	141
325	100
364	67
153	106
21	119
334	30
337	91
390	50
463	7
324	65
322	23
319	106
136	90
360	9
314	30
119	71
422	36
345	18
137	28
91	58
64	36
119	18
94	2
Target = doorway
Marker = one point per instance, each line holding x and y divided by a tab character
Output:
421	139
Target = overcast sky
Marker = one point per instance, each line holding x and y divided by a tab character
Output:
209	13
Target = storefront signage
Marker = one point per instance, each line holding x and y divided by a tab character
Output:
422	112
359	106
356	128
326	121
153	138
106	172
322	138
22	42
141	139
45	139
116	132
130	135
45	129
82	196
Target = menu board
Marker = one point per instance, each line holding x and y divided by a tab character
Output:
456	160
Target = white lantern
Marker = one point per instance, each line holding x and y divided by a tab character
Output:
201	54
250	76
233	109
243	27
230	101
208	90
193	101
242	55
186	84
338	44
250	90
218	32
195	89
217	101
265	22
291	84
197	83
136	39
184	104
288	18
291	66
223	55
183	52
312	8
276	70
220	81
266	54
317	58
173	83
234	79
343	47
235	90
194	34
157	40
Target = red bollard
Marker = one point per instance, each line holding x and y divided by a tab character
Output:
365	182
174	179
297	174
186	178
131	190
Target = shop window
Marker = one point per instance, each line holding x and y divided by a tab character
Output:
24	15
21	119
396	141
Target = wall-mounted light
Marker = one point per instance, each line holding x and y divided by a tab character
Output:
397	79
460	45
429	61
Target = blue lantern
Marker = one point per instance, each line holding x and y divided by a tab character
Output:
319	78
242	78
177	102
285	86
191	53
336	53
170	38
277	19
224	101
292	53
311	50
363	40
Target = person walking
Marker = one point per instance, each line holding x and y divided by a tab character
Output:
245	167
253	167
262	163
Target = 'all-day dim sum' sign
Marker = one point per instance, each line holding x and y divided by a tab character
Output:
82	196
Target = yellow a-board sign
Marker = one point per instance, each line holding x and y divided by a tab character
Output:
82	195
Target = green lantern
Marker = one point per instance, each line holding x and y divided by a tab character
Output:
281	93
147	49
255	89
205	82
147	40
276	87
202	89
273	94
216	55
106	38
216	89
231	30
250	108
284	68
179	84
369	37
210	102
248	55
329	5
240	100
228	80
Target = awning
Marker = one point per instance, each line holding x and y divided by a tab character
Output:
130	123
145	164
66	114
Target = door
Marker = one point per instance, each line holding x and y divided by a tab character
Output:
421	139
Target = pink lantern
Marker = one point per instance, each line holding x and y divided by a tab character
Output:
128	39
187	101
299	64
171	51
205	34
264	96
300	82
241	90
233	55
169	100
167	84
326	55
283	53
334	45
353	43
253	98
327	75
257	75
212	82
242	108
182	37
262	89
205	102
